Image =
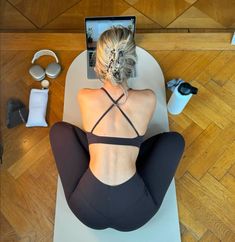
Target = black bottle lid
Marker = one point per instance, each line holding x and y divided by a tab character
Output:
185	89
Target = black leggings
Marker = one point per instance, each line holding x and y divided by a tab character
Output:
124	207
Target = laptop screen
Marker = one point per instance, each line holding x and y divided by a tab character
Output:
94	27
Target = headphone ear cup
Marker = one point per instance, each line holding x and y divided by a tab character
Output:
37	72
53	70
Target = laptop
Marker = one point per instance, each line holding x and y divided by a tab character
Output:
94	27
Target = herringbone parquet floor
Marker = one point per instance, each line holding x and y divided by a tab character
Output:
152	15
205	179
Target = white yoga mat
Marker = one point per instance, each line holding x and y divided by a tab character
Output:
164	226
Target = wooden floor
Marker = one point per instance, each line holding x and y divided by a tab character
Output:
205	178
152	15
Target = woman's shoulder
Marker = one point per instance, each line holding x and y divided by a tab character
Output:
148	92
84	92
147	95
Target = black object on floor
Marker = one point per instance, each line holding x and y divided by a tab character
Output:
17	113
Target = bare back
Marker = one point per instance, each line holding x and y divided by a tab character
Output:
114	164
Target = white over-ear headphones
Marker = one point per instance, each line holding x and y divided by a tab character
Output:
52	70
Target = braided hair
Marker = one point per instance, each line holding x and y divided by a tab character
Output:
116	56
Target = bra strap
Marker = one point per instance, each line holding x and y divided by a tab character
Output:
106	111
128	120
111	97
122	110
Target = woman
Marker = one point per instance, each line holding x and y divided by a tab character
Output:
111	178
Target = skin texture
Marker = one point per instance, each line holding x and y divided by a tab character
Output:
115	164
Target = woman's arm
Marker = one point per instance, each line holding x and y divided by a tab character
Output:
82	105
152	101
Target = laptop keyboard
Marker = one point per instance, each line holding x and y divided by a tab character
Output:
91	59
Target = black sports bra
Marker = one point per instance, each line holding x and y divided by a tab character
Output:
93	138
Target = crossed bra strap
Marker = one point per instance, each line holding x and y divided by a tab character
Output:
115	103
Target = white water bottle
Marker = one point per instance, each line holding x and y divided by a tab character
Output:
180	97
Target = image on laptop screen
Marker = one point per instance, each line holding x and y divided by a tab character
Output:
96	26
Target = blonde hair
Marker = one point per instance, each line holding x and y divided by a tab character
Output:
116	56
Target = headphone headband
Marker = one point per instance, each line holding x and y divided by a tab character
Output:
44	52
